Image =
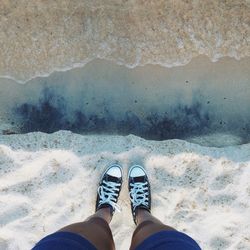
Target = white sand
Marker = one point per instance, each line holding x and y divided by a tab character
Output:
49	181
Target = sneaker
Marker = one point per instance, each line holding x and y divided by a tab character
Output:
139	189
109	188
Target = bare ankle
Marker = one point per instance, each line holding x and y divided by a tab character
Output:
142	215
104	213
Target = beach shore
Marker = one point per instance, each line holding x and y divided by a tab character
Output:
48	181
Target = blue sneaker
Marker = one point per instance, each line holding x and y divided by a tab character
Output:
109	188
139	189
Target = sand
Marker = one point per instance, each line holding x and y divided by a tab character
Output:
49	181
40	37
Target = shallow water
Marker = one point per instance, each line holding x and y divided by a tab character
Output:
193	102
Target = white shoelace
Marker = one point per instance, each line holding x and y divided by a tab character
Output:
138	195
109	193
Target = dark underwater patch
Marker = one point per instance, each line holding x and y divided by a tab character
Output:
45	116
183	121
51	114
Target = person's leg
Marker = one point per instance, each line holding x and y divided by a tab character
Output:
150	232
147	225
95	229
94	232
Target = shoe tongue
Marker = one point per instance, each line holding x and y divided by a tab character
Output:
111	178
139	179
